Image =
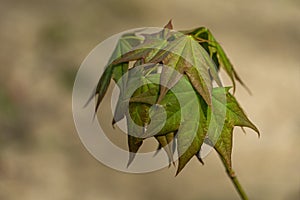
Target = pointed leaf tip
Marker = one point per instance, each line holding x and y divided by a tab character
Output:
134	144
131	157
199	158
169	25
165	141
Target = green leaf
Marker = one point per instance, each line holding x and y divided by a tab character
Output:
102	86
235	116
193	149
216	52
136	124
186	149
115	72
151	45
170	103
188	60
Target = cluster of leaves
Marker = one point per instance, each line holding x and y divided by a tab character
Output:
198	57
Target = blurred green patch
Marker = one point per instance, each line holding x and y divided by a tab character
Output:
55	53
13	124
8	109
67	77
124	10
55	34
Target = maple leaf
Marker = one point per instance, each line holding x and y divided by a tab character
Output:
115	72
235	116
216	52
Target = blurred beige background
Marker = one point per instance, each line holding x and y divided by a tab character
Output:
42	44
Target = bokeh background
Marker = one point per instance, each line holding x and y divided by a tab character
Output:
42	44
